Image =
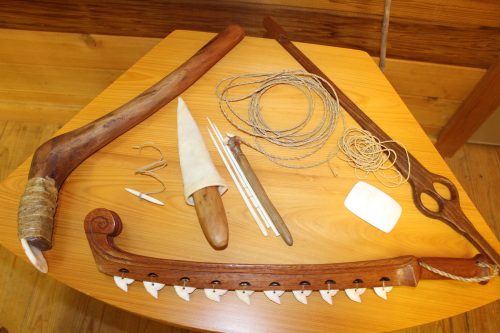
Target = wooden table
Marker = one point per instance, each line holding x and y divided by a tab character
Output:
311	201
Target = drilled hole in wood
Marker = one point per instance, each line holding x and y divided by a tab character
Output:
154	275
386	279
429	202
357	281
215	282
274	284
123	270
330	282
305	283
185	279
245	284
443	190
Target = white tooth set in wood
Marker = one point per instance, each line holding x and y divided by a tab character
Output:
215	294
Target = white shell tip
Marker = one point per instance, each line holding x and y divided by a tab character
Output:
327	295
301	295
214	294
183	292
274	295
354	294
122	283
35	256
153	287
382	291
244	295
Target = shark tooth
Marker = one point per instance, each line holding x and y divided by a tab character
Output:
214	294
244	295
183	292
153	287
354	294
123	282
301	295
327	295
382	291
274	295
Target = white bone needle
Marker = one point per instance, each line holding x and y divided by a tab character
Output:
244	182
144	196
238	186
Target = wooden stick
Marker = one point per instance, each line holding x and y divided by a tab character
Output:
102	226
421	179
234	146
55	159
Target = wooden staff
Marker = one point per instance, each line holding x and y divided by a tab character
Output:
55	159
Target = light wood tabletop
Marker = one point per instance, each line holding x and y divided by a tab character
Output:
310	201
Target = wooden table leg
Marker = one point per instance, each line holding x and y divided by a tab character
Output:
476	108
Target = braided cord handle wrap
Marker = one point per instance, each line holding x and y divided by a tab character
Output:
36	212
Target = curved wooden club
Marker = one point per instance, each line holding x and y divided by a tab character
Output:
102	226
55	159
422	180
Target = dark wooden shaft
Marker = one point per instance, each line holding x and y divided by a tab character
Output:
212	216
102	226
253	180
421	180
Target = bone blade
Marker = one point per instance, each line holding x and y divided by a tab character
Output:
382	291
354	294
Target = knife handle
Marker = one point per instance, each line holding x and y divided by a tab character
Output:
212	216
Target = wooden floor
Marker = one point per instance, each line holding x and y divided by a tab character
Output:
42	87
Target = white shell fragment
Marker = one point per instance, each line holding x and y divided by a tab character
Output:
301	295
354	294
327	295
122	282
244	295
214	294
382	291
274	295
35	256
183	292
153	287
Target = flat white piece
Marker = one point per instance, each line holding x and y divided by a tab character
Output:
355	293
382	291
327	295
183	292
153	287
214	294
301	295
122	282
244	295
274	295
373	206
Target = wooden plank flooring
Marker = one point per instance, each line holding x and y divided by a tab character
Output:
33	104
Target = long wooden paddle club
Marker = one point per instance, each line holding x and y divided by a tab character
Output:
421	180
55	159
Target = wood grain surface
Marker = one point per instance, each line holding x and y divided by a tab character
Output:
87	187
460	32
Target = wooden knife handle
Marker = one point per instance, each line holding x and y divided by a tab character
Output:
212	216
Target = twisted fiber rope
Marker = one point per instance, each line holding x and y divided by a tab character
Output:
149	169
493	272
36	208
301	143
359	148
